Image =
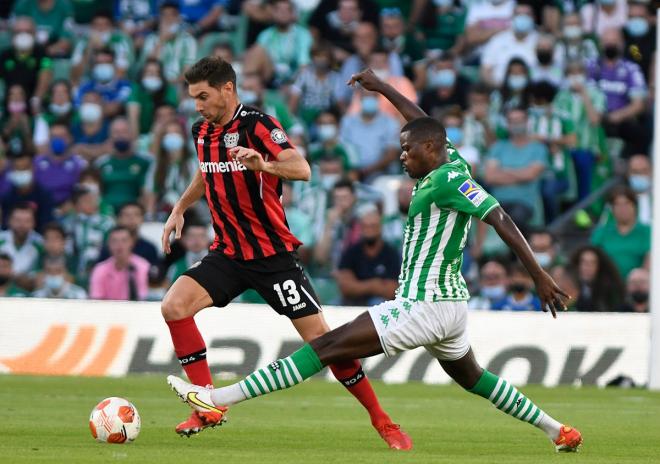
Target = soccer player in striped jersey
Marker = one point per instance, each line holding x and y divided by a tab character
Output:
430	308
243	156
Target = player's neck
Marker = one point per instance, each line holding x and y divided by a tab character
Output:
231	111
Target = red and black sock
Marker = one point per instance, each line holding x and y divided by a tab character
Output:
190	348
350	374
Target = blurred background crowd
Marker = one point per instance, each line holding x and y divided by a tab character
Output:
550	102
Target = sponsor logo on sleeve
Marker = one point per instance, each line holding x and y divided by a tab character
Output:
278	136
473	192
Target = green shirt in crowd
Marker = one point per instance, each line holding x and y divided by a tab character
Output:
626	251
122	178
54	24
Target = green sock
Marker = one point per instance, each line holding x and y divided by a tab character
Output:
509	400
283	373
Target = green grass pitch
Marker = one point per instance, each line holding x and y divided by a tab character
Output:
45	420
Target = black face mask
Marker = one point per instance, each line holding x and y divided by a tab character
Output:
544	57
370	241
517	288
639	296
4	279
611	52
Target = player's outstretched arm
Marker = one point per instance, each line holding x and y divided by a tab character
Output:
552	297
175	222
290	165
370	81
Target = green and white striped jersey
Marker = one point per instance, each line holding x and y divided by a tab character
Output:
439	218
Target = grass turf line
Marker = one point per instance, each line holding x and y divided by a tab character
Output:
45	419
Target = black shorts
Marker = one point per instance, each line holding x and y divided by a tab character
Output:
279	279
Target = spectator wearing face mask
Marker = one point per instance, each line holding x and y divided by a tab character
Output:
17	126
396	39
171	44
90	134
493	284
638	286
25	190
252	92
55	282
487	19
300	223
454	122
102	33
22	243
598	17
549	66
373	135
514	168
519	42
87	228
574	45
639	177
26	63
8	287
172	172
519	295
444	86
583	103
394	224
329	146
368	271
195	241
59	105
123	172
443	25
625	89
147	94
313	90
513	93
54	21
58	170
544	246
104	80
378	62
639	37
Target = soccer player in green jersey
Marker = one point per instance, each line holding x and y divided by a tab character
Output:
430	307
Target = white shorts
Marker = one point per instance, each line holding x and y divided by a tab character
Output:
437	326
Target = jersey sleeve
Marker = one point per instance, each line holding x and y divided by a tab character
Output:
270	132
458	191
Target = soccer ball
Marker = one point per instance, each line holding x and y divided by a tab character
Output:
114	420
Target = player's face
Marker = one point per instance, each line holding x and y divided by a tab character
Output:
417	157
211	102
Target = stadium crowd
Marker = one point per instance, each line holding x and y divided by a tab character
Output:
547	101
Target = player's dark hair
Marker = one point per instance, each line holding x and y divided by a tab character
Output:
426	128
622	191
131	204
213	70
344	182
54	227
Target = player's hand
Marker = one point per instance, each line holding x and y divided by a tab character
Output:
174	223
249	158
366	79
552	297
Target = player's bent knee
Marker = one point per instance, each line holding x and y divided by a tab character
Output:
174	308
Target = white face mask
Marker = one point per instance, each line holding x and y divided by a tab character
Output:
104	72
53	282
20	178
59	110
327	132
23	41
543	258
172	141
90	112
152	83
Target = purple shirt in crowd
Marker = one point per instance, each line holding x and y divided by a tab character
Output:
620	83
58	176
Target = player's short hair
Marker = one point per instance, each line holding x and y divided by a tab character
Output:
426	128
213	70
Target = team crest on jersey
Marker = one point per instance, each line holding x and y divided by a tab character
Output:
231	139
473	192
278	136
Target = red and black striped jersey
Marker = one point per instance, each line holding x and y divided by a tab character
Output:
248	216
